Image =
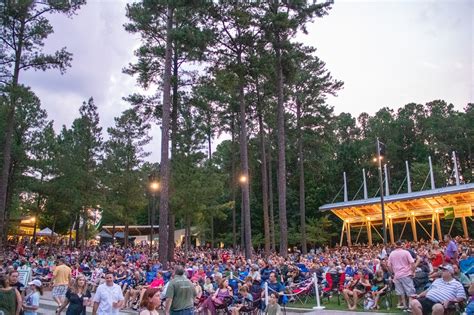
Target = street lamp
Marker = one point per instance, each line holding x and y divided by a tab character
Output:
243	179
379	159
154	188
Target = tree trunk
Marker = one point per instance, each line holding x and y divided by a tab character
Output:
52	233
8	205
270	198
84	228
304	248
266	223
171	240
10	125
212	232
125	235
245	170
281	174
6	172
165	128
174	137
70	235
187	234
113	234
34	232
232	185
78	219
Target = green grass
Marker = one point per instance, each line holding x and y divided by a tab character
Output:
332	304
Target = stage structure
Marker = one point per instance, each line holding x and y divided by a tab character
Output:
410	208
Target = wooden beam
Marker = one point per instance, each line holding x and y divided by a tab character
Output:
464	227
413	228
369	232
392	239
438	227
348	234
433	222
342	233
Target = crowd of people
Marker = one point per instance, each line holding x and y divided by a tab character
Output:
426	277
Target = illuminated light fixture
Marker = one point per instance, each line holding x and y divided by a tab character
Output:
155	186
243	179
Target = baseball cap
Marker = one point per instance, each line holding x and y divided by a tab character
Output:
447	268
36	282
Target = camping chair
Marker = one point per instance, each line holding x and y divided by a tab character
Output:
386	297
224	307
303	293
335	285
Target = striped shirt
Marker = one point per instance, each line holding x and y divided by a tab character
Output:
441	291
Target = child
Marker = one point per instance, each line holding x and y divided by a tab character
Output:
31	304
273	308
369	302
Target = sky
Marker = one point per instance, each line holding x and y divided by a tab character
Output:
388	53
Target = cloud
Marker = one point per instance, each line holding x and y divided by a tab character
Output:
381	50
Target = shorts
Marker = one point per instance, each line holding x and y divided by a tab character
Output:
427	305
404	286
59	291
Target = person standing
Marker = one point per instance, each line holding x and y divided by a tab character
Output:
402	265
180	295
77	297
61	281
451	252
13	280
10	299
32	299
108	299
150	302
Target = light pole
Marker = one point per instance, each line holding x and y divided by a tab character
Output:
154	187
379	159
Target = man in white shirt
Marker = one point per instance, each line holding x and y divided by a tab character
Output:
108	299
440	294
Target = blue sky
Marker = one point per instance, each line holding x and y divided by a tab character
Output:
388	53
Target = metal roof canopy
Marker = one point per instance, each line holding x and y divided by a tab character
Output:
398	208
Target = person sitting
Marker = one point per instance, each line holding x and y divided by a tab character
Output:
470	305
355	289
217	299
439	295
379	287
244	302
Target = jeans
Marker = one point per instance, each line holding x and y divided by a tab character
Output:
187	311
470	308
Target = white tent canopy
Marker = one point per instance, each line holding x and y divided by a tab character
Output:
46	232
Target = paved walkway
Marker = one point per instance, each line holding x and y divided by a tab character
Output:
48	307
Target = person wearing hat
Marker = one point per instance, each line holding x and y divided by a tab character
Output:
442	292
31	303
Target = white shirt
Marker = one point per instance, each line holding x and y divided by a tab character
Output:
105	296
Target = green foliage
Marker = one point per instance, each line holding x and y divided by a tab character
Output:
123	178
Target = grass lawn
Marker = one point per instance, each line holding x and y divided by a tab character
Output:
332	304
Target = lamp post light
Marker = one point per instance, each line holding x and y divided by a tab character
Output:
154	188
379	159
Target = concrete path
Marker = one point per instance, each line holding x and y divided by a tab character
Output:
48	307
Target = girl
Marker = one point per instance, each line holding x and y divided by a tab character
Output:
77	296
31	304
